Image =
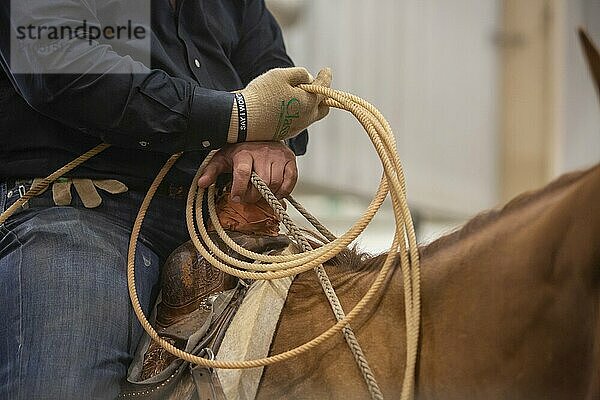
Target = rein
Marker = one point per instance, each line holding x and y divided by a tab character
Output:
404	246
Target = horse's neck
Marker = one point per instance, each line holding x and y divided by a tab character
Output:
511	309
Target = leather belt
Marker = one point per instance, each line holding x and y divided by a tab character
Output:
21	185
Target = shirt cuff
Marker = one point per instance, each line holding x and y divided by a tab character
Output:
209	119
299	143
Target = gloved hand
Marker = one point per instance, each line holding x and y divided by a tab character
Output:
273	108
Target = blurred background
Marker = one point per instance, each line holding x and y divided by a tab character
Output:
487	99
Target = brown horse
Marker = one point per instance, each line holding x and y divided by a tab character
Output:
511	309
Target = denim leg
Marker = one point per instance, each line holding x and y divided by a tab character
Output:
68	330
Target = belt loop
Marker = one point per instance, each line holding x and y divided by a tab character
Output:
22	191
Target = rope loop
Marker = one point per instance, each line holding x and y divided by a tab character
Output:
403	247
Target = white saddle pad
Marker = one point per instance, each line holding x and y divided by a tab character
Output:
250	335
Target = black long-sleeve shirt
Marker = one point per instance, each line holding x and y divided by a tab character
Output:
200	52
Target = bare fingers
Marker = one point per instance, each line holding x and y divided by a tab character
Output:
242	170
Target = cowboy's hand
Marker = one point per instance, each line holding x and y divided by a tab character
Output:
274	108
274	162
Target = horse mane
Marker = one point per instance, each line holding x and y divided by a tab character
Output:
352	259
489	217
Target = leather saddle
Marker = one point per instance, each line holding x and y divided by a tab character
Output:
195	306
187	283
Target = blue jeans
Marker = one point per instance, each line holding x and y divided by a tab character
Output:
67	329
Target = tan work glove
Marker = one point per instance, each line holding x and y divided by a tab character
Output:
86	189
273	108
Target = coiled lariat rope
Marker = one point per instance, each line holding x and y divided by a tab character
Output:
273	267
404	244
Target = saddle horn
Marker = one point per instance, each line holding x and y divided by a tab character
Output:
592	55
